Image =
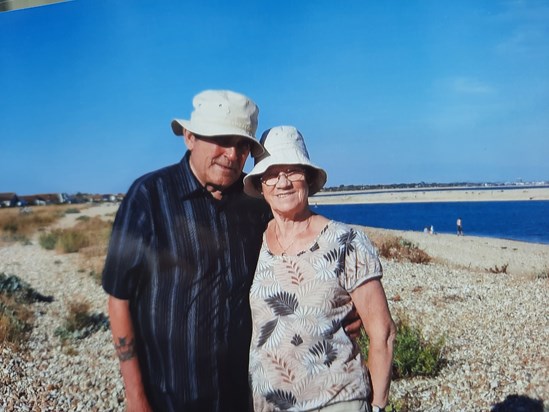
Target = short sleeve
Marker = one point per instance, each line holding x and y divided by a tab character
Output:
361	261
127	245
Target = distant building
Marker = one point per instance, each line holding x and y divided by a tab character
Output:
41	199
8	199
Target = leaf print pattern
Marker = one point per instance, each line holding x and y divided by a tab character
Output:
283	368
281	399
296	340
266	332
332	256
329	333
282	303
346	240
325	352
294	272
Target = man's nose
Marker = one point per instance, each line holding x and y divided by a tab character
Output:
231	152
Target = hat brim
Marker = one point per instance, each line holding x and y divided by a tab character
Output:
261	167
212	130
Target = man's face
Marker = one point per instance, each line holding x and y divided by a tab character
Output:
217	161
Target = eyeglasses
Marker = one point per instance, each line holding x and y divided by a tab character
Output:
271	179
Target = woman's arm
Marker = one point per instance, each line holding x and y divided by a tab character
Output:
371	304
124	343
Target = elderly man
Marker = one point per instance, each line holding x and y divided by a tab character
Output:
179	266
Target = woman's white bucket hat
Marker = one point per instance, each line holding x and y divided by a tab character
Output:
222	113
284	145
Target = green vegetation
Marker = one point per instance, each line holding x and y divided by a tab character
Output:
79	323
86	233
15	315
48	240
413	354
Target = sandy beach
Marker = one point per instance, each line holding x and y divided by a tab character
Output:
495	325
428	195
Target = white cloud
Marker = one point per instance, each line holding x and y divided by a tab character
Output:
468	85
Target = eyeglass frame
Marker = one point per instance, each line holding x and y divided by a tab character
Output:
292	175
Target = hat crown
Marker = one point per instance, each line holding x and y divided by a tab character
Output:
225	108
284	141
222	113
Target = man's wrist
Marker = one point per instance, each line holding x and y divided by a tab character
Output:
376	408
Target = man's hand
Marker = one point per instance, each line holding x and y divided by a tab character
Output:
352	324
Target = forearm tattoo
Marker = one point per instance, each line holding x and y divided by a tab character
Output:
125	349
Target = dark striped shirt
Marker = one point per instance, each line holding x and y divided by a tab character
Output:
185	262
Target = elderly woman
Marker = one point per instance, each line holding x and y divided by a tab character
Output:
310	273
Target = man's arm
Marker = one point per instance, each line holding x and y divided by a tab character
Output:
124	343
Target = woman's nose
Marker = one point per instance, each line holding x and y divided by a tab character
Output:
284	182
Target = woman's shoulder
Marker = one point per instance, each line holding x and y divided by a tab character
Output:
347	233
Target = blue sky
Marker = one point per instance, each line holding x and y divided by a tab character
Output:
383	91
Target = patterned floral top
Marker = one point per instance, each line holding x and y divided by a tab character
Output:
300	356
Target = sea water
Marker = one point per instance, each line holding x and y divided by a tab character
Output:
526	221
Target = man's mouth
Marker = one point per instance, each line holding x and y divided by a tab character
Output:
230	167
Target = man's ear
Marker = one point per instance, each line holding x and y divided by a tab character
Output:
189	139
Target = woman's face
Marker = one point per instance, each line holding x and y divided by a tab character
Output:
285	188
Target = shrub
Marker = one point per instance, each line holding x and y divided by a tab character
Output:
48	240
498	269
399	249
10	227
78	316
413	355
72	210
15	321
15	316
543	274
86	233
72	240
20	290
15	225
79	323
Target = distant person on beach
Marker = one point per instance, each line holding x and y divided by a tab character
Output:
310	272
459	227
432	230
180	262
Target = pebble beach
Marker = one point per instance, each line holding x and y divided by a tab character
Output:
495	327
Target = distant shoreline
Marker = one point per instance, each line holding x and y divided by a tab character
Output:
453	194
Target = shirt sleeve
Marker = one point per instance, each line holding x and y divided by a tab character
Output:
361	261
125	259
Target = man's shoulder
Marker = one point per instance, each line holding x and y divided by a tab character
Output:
161	173
165	176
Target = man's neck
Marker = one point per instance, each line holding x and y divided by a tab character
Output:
214	191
